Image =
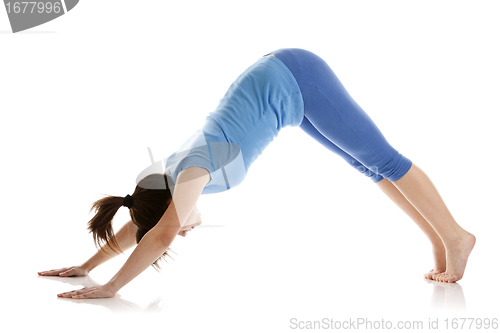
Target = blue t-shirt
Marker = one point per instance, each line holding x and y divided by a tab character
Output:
262	100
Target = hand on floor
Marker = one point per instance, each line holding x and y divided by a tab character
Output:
66	271
103	291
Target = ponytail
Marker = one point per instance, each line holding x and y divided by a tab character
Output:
147	204
100	224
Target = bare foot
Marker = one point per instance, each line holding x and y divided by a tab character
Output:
456	259
432	273
439	254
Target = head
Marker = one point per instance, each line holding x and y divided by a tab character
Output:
193	220
150	200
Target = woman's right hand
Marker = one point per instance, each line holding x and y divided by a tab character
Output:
66	271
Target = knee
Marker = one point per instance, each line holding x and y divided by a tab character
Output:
393	167
374	176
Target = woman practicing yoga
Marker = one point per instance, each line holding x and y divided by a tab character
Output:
287	87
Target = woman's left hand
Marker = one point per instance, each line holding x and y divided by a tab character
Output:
103	291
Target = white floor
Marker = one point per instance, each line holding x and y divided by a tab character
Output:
230	279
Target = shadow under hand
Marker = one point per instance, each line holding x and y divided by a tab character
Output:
447	296
116	304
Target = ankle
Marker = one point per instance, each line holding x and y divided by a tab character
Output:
454	242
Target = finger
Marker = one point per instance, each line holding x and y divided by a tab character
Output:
91	294
75	292
57	271
69	272
48	273
52	271
66	294
80	296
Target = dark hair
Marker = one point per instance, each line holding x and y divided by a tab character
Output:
151	199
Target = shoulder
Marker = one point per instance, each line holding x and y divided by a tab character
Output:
194	174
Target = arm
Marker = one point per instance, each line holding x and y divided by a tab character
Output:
190	184
125	239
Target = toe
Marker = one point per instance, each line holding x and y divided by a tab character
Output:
430	274
445	277
438	277
435	275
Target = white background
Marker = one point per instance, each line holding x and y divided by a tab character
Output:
304	236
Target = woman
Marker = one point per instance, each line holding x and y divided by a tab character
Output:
287	87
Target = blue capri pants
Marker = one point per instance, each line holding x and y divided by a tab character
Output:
334	119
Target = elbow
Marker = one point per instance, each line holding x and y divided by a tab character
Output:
164	238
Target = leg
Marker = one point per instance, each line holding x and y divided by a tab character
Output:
307	127
335	114
343	122
392	192
422	194
438	248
